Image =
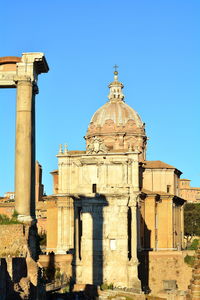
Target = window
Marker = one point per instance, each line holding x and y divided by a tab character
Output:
94	188
168	188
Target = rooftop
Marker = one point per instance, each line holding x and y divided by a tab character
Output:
157	164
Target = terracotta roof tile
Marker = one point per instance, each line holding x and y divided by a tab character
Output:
9	59
157	164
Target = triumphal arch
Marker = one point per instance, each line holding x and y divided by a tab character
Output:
20	276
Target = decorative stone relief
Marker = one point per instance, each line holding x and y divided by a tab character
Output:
96	146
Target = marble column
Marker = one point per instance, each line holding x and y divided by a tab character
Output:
24	149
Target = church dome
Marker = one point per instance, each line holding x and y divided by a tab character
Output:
116	124
117	111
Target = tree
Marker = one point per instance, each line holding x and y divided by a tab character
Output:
191	220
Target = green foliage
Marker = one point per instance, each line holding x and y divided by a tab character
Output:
189	260
105	286
66	289
5	220
15	214
192	219
111	286
194	245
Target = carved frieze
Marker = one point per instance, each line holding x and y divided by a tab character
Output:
7	79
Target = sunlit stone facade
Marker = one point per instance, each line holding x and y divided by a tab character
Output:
103	205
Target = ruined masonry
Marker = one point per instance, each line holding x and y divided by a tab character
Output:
19	272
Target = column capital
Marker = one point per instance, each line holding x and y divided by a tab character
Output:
14	68
22	78
133	200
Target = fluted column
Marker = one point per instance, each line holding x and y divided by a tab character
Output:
24	149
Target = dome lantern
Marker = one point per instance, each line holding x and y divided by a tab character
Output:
116	88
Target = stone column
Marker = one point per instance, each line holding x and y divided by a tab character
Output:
60	230
69	224
24	154
65	230
135	174
77	237
138	227
134	232
133	281
129	166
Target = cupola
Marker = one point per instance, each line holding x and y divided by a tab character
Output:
116	125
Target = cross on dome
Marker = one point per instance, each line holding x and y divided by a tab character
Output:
115	72
115	67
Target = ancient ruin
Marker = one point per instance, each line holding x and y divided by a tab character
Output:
110	203
115	218
20	275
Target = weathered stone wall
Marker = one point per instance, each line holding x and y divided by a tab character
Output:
168	265
61	261
20	274
13	240
7	209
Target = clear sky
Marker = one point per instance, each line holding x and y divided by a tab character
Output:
156	45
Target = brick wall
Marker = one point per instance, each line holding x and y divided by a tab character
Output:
165	265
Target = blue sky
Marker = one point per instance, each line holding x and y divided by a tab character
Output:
156	45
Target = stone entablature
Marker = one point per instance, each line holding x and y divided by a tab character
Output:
14	68
104	173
